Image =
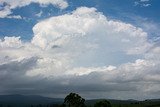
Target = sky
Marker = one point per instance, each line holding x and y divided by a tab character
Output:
96	48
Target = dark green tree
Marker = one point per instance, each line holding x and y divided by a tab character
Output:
103	103
74	100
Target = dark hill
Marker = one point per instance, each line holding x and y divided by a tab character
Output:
22	100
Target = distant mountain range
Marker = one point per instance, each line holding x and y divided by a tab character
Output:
21	100
28	99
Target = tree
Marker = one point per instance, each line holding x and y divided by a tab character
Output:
103	103
74	100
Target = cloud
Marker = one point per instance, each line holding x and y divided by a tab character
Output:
142	3
144	0
146	5
15	17
149	26
85	52
9	5
64	30
39	14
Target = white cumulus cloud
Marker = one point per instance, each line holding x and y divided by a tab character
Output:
9	5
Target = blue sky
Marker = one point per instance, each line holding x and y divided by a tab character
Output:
125	10
98	48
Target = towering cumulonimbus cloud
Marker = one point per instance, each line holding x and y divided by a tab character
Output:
82	51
